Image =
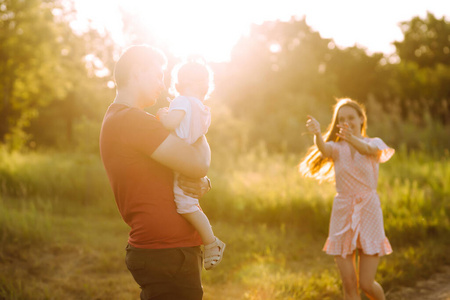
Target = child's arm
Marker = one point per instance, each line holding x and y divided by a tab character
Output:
314	127
171	119
360	145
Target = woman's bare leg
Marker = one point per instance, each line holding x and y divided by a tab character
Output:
368	265
347	269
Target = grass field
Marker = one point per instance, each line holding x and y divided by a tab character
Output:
62	237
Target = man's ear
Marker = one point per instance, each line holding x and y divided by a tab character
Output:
136	72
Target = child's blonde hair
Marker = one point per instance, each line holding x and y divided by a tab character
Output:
313	164
192	73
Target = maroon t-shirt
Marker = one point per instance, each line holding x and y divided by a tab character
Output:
143	188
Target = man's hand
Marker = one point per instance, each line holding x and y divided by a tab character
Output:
194	188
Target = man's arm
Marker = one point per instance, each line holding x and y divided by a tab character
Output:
194	188
190	160
171	119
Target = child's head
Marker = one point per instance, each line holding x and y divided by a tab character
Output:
192	77
347	111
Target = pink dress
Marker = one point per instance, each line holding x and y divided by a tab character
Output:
356	217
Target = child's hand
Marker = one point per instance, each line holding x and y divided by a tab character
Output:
162	112
313	125
344	132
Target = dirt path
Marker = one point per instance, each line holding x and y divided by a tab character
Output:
435	288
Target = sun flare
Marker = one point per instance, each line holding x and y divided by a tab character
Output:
212	28
191	27
200	27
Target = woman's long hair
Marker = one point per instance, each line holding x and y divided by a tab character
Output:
313	165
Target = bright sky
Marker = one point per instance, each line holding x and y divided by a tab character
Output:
212	27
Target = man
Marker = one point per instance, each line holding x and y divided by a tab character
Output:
140	155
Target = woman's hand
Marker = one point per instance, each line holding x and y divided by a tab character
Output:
360	145
345	133
194	188
313	125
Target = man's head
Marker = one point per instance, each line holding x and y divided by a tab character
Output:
141	68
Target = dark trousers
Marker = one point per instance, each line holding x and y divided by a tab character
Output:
167	274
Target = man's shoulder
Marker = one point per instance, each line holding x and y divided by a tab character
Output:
128	124
122	112
133	127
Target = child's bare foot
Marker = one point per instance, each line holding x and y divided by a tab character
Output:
213	254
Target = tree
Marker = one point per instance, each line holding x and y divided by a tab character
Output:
426	41
49	72
422	78
355	72
271	73
85	55
29	63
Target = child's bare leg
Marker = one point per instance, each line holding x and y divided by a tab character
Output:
200	221
213	251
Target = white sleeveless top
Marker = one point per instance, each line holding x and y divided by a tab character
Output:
196	121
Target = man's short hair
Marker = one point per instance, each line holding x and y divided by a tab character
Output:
137	56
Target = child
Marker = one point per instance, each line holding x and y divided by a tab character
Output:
190	119
356	219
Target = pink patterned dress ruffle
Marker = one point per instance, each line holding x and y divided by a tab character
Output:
356	217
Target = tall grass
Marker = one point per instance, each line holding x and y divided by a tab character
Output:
24	223
266	188
59	176
60	207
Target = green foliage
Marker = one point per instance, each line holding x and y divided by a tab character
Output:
427	135
25	224
278	194
420	81
283	71
42	61
417	198
54	82
354	72
276	74
425	41
29	62
417	91
59	177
